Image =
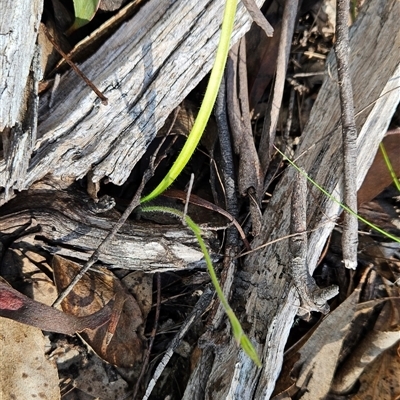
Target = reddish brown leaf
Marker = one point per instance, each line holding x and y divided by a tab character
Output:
20	308
378	177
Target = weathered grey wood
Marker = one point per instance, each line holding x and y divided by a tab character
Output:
145	69
20	73
263	286
19	23
66	226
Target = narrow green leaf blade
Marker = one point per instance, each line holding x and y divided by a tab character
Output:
84	12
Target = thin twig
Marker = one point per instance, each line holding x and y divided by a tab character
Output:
283	238
185	210
198	201
88	82
152	337
349	132
198	309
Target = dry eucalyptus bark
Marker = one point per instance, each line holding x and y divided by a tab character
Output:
266	298
145	70
20	73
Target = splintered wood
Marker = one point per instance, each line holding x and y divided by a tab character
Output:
144	78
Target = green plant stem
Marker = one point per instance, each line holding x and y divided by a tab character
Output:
206	105
237	330
349	210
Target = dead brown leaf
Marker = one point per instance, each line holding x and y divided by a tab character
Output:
380	380
120	342
25	371
378	177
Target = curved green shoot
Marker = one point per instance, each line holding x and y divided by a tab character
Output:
206	105
237	330
349	210
389	166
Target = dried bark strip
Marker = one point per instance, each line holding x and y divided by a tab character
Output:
274	105
20	74
144	78
19	24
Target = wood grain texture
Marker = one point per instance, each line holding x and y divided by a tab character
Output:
63	224
19	24
145	69
20	74
263	285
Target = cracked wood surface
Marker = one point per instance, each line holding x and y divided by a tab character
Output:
266	298
61	222
19	78
145	70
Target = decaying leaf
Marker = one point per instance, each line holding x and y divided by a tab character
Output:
380	380
385	334
120	342
95	381
320	354
14	305
378	177
25	371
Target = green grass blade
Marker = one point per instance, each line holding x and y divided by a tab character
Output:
237	330
206	105
349	210
389	166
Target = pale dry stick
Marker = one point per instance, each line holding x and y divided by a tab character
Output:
312	298
197	311
349	133
185	210
271	120
325	136
152	336
258	17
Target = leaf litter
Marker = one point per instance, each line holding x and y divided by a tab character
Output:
352	352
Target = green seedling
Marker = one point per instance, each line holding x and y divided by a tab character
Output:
184	157
207	104
237	330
